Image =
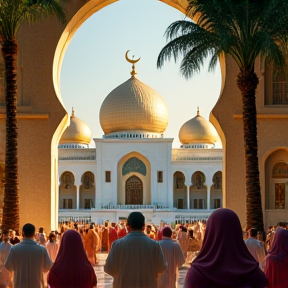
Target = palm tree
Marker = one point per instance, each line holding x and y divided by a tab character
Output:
244	29
13	13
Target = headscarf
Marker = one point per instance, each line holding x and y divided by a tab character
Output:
72	268
279	246
224	260
277	260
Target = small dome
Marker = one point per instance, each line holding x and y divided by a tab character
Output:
133	106
198	130
77	133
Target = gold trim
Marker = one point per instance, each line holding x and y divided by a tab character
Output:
265	116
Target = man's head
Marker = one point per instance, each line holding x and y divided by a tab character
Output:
253	232
41	230
136	221
167	232
28	230
5	236
52	237
148	228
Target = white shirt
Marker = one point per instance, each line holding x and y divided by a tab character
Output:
28	260
52	248
175	258
135	261
5	275
257	250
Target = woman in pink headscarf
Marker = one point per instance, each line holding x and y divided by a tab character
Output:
72	268
224	260
277	260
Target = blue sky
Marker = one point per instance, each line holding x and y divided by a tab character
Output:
94	64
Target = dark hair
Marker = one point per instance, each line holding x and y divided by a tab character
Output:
253	232
28	230
167	232
52	236
136	220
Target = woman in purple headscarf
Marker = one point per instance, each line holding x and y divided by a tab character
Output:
224	260
277	260
72	268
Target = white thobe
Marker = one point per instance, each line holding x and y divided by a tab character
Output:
52	248
175	258
28	260
135	261
5	276
256	250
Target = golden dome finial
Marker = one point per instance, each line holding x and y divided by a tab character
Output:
132	61
72	115
198	112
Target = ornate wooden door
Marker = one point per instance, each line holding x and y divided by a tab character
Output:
134	191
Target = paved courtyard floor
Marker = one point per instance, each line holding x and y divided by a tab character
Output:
105	280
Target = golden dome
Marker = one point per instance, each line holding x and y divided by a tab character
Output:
78	132
133	106
198	130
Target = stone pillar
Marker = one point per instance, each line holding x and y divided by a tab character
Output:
209	185
188	197
77	197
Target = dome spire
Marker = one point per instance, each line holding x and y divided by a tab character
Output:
72	115
132	61
198	112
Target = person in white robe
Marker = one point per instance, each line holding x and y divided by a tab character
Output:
135	261
5	275
52	247
256	248
28	260
174	257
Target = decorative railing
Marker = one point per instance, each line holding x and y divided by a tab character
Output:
189	158
78	158
127	207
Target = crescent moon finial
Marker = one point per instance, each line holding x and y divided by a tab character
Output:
132	61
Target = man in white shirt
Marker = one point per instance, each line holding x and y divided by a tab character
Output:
174	257
28	260
255	248
5	275
135	261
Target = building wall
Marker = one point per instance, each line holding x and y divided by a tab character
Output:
227	118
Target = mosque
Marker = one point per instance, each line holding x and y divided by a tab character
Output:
134	166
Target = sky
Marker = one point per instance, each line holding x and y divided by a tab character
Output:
94	64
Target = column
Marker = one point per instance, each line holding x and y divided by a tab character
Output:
188	197
208	196
77	197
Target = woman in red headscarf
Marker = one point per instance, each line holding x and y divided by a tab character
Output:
224	260
72	268
277	260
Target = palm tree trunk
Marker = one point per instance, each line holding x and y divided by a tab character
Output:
247	82
11	216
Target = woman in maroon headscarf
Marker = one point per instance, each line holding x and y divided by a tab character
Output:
277	260
224	260
72	268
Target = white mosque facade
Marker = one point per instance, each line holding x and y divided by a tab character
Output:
134	166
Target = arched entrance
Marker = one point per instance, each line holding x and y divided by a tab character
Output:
45	111
134	191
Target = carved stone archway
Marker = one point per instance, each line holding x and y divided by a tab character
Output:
40	108
134	191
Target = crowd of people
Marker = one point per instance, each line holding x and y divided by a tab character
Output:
146	255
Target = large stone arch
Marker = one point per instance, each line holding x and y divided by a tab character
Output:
40	107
